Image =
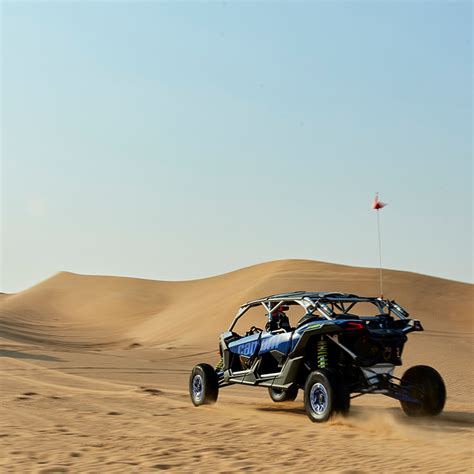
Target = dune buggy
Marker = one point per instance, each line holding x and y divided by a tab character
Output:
332	354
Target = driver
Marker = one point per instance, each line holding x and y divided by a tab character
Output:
278	320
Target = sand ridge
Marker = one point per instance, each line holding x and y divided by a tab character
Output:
78	310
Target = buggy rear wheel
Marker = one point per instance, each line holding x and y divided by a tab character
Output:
427	386
203	385
324	395
281	395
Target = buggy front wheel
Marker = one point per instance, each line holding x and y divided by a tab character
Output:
203	385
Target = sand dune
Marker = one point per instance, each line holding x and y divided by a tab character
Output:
94	377
73	309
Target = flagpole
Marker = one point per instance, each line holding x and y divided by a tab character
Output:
380	255
377	205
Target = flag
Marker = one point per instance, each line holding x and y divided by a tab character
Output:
377	204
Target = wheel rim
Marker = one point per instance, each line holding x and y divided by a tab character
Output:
318	398
197	387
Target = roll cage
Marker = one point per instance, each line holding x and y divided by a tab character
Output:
326	304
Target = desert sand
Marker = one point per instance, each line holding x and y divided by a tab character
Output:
95	372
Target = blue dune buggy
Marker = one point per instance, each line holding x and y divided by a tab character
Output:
332	354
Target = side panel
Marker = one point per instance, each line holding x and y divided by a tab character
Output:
263	343
279	342
246	345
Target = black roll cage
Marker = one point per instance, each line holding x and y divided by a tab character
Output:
324	303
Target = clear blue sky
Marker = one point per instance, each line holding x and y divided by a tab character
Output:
179	140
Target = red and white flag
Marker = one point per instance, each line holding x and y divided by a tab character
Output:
377	204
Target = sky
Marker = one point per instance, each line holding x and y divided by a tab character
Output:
175	140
